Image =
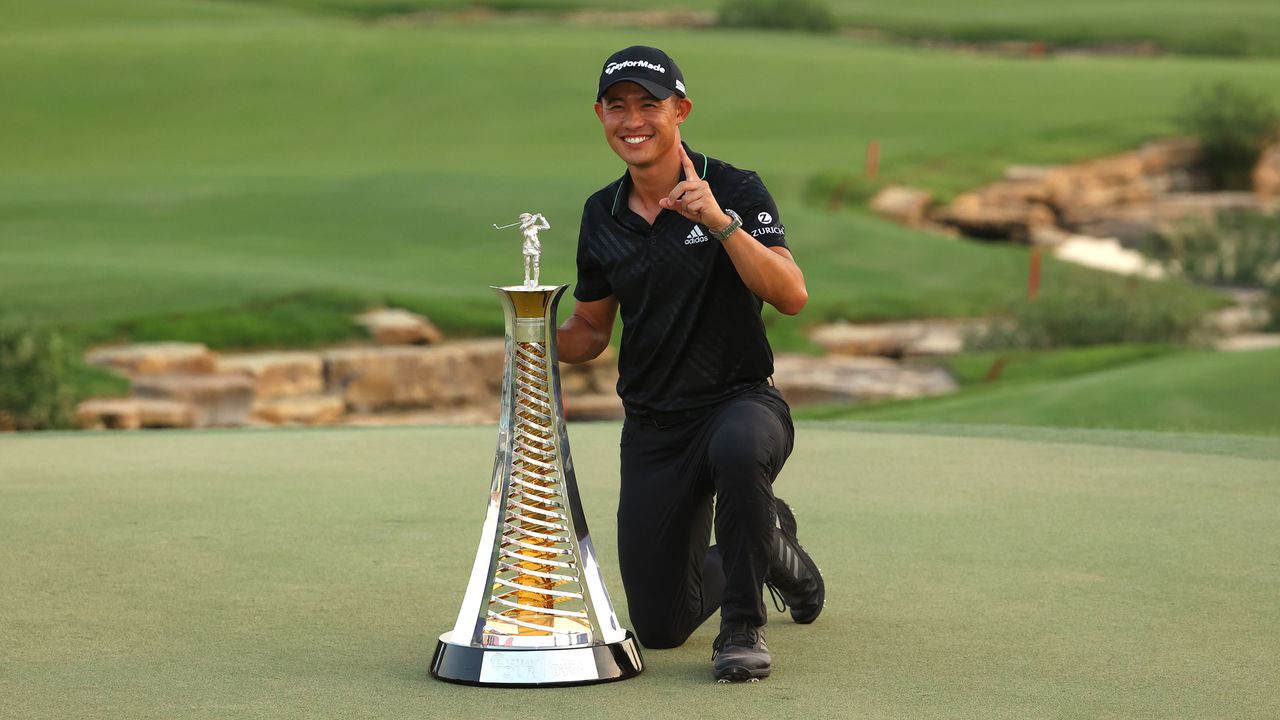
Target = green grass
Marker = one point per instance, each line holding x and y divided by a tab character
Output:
1235	28
178	157
1030	366
971	574
1188	391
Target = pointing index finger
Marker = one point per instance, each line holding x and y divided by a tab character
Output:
690	172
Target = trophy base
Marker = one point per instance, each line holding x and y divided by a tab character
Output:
529	667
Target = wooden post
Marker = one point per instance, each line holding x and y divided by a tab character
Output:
873	159
1033	274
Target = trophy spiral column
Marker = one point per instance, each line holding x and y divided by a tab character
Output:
535	611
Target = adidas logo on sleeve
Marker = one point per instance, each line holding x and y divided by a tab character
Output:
696	236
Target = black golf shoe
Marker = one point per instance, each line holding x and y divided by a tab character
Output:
739	653
794	575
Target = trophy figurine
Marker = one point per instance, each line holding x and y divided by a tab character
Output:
530	224
535	611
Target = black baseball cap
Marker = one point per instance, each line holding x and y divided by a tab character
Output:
646	66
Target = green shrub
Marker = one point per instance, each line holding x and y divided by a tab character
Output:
1096	315
1237	248
36	384
809	15
1234	125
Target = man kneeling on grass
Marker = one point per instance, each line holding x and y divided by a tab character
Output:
689	248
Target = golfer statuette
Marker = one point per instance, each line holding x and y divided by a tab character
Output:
535	611
530	224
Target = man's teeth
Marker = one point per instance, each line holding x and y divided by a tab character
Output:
635	140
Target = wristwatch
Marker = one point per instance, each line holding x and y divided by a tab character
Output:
724	233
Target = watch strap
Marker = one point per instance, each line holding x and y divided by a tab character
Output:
724	233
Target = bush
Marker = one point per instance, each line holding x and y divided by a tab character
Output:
1238	248
809	15
36	383
1098	315
1234	125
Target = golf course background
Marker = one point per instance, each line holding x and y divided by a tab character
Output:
169	167
175	162
245	173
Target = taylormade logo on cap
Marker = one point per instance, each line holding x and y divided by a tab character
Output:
648	67
611	67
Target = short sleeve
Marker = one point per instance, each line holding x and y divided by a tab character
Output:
759	212
593	283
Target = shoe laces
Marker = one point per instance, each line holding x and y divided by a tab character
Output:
779	602
742	635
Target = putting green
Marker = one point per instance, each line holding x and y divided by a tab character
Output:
972	573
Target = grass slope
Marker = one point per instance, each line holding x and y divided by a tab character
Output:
1239	27
183	156
1199	391
309	573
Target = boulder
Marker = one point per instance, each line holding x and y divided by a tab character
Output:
1266	175
372	379
300	410
1249	342
897	339
1029	173
393	326
904	204
1003	210
278	375
218	400
1108	255
1080	193
109	414
1242	319
489	357
1133	224
598	375
593	406
161	358
802	379
134	413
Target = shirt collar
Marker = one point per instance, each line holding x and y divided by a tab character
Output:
700	163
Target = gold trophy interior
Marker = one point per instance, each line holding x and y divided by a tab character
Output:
537	590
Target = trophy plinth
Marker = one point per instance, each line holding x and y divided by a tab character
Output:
535	612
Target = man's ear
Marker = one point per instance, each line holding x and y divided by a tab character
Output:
684	106
600	112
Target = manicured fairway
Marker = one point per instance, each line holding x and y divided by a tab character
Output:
1190	391
973	573
159	156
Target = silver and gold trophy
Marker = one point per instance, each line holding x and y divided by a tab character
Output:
535	612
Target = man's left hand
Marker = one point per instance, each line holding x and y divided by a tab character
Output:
692	198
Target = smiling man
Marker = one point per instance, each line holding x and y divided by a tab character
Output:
689	248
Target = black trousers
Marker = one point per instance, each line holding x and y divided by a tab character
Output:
672	471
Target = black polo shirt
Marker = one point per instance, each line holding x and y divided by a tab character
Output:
692	335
